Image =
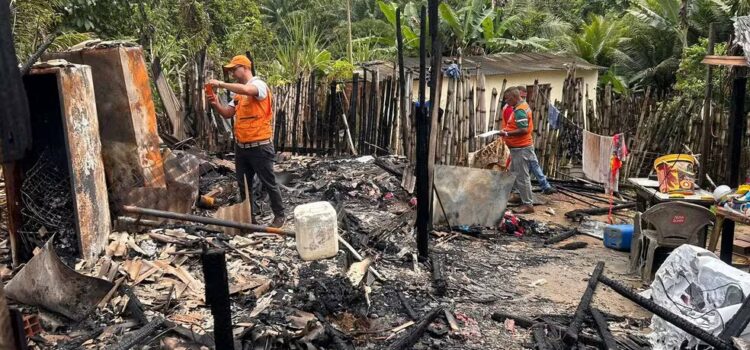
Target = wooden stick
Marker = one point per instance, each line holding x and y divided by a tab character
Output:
408	340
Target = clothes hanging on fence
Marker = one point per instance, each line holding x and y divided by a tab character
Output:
571	139
553	115
602	158
453	71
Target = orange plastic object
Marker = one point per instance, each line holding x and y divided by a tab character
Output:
209	90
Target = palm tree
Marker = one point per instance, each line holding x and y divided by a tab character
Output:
276	11
597	41
649	57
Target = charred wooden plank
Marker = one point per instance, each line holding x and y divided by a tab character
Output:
438	276
561	237
571	335
409	339
407	306
603	329
525	322
217	296
738	323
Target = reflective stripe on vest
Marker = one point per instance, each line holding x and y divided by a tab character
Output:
524	140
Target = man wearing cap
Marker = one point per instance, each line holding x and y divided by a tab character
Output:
253	115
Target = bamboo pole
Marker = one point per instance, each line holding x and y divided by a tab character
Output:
481	109
472	121
493	110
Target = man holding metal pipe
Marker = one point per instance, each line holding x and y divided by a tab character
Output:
252	110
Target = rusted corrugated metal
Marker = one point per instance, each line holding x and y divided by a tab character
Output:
127	119
83	149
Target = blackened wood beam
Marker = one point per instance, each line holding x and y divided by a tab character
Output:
738	323
603	329
666	315
409	339
217	296
423	136
571	335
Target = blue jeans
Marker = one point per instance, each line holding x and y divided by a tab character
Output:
536	169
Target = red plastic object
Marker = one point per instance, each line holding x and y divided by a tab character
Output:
31	325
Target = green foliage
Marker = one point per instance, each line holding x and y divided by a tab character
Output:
619	85
649	57
341	69
643	42
300	51
597	41
691	75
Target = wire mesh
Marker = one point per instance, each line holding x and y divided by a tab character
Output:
48	204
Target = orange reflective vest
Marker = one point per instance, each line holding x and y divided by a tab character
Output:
524	140
253	118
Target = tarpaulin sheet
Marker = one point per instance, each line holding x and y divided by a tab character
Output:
471	196
694	283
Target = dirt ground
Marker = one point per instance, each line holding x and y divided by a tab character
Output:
496	273
531	280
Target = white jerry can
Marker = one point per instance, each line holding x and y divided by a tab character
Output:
316	230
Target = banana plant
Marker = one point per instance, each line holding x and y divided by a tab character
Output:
469	25
409	18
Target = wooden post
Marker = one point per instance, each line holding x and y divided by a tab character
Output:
435	94
472	121
353	108
296	114
737	129
481	109
404	87
217	296
706	134
363	115
447	122
423	136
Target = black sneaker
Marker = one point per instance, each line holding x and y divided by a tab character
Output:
549	190
278	221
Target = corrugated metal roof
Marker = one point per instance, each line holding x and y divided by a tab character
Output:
500	64
742	34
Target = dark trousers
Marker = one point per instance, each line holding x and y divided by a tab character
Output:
259	161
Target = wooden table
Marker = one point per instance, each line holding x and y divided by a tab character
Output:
647	192
734	216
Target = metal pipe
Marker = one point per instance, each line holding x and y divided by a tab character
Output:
204	220
665	314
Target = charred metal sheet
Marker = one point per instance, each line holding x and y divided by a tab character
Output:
127	119
182	176
471	196
80	139
47	282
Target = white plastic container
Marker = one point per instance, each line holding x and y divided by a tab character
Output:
316	228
